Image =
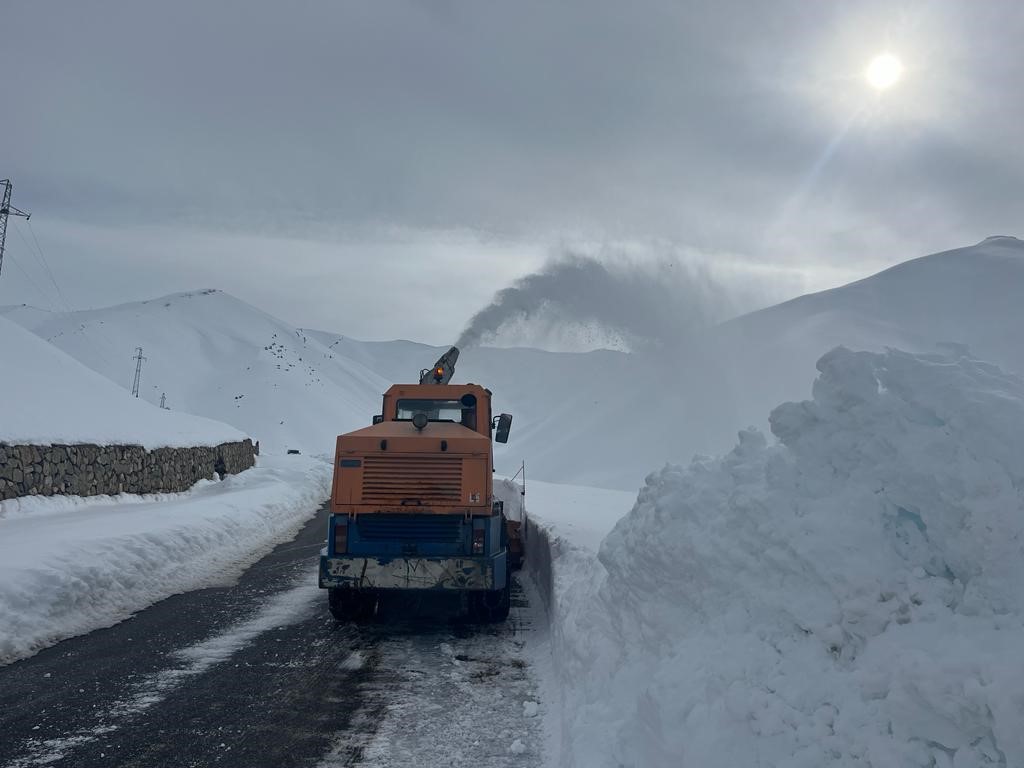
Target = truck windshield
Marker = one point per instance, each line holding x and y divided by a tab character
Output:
436	410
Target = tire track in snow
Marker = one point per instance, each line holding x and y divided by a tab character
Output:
443	695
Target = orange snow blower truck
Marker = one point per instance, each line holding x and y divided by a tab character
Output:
412	505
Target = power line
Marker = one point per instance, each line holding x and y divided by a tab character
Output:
46	265
41	258
28	277
28	249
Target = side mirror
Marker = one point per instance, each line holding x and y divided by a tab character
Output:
504	425
378	419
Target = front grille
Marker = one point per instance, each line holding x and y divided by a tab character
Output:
423	480
410	528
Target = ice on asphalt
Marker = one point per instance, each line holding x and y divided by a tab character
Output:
851	595
73	568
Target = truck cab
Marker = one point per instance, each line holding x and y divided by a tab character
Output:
412	504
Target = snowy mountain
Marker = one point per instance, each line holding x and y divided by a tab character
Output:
216	356
607	419
599	418
967	296
49	397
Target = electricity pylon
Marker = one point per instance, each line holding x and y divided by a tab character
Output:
138	371
6	209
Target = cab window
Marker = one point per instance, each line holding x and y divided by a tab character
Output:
435	410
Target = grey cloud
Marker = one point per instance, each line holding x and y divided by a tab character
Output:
693	122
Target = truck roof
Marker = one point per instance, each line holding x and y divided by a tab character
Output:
442	429
435	390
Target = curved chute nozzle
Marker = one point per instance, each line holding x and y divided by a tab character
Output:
443	369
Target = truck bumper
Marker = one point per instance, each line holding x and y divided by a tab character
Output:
456	573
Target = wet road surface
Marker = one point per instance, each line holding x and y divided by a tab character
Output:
259	674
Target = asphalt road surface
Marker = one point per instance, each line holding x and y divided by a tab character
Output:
259	674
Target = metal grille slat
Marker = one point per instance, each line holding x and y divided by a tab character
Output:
428	479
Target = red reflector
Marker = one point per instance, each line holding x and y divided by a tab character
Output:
341	538
478	541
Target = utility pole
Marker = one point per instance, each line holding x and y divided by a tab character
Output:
138	371
6	209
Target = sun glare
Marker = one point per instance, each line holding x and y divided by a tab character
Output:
884	71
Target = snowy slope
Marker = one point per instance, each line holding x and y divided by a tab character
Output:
848	597
967	296
48	397
607	418
602	418
216	356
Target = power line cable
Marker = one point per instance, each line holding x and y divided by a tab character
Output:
67	308
28	277
28	249
46	264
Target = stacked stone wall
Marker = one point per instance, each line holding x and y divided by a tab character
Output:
89	470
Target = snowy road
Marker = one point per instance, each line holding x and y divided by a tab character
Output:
258	674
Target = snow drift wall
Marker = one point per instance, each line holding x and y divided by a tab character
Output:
90	470
853	596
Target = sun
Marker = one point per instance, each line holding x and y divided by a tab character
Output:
884	71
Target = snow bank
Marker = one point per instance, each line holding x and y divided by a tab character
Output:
68	569
47	397
851	596
563	531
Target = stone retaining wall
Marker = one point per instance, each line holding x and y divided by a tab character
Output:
89	470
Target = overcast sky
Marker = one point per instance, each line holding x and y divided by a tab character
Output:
381	168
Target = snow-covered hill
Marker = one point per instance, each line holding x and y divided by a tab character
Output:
607	418
601	418
967	296
48	397
216	356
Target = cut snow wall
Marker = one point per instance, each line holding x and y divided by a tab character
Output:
849	597
90	470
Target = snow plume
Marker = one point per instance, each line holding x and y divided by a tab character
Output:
622	300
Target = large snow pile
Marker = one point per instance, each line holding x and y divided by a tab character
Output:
851	596
71	565
218	357
49	397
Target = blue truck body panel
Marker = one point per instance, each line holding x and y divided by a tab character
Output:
413	552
